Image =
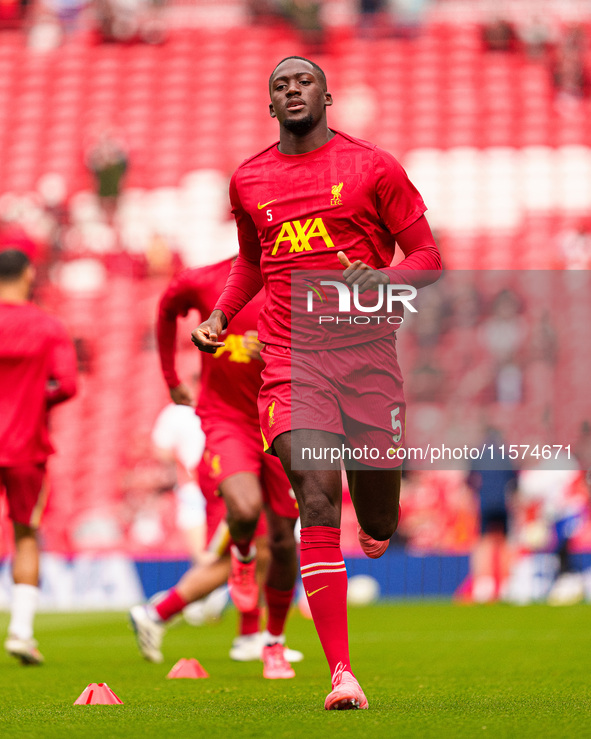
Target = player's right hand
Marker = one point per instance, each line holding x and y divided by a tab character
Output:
181	395
205	336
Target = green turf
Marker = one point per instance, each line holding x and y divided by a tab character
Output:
428	670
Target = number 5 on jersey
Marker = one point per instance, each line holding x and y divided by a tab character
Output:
396	425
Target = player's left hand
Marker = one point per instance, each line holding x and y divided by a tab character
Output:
361	274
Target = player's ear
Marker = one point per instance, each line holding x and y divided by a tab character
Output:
30	272
327	98
272	111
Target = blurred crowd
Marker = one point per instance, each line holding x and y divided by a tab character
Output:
65	228
563	50
48	21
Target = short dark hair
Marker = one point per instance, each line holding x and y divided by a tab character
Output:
13	263
303	59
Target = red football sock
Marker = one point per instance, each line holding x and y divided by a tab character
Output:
278	603
324	577
171	604
248	623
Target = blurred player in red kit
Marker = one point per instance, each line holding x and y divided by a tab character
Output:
322	200
37	371
234	466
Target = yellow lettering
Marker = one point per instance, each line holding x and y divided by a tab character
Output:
298	235
303	239
319	229
286	234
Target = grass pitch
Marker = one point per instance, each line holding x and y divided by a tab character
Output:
428	670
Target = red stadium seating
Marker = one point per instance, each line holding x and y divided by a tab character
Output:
448	90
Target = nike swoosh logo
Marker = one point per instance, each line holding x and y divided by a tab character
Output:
315	591
260	207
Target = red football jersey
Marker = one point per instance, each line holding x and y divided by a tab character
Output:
229	378
297	212
37	370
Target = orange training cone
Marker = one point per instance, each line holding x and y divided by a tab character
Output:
97	694
187	668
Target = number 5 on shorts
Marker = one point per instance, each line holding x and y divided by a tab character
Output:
396	425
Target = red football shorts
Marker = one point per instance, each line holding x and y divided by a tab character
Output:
355	392
26	491
231	448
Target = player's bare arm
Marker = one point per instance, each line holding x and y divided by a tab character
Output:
205	336
361	274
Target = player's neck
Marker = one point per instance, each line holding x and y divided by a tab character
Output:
14	292
293	144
